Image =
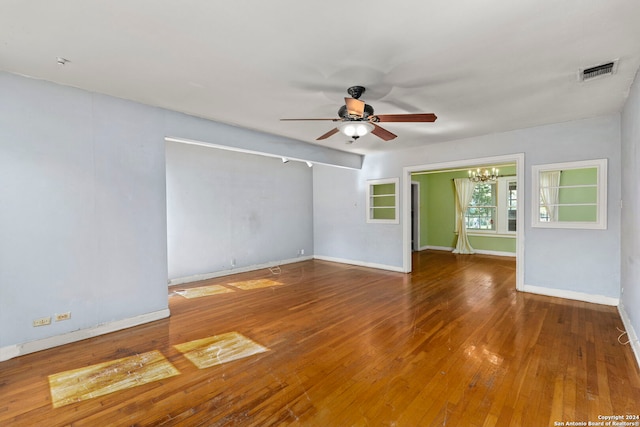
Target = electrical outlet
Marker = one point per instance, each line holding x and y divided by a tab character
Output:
233	262
42	321
63	316
301	251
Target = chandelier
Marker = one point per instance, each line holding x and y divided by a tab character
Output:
484	175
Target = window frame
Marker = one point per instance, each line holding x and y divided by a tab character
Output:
601	194
501	186
494	217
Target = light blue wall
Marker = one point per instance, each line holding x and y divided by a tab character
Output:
585	261
630	298
340	228
83	210
225	206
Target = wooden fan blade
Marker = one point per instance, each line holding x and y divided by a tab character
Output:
355	107
382	133
284	120
421	117
328	134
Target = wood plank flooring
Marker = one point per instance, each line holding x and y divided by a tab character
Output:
452	344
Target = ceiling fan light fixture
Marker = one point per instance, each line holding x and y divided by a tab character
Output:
348	129
352	129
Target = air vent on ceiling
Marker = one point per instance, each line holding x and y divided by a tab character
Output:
598	71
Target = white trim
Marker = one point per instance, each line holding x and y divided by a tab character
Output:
16	350
495	253
258	153
631	333
477	251
9	352
360	263
439	248
517	158
573	295
205	276
396	206
479	233
500	189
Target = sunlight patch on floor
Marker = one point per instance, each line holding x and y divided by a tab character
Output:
219	349
97	380
203	291
245	285
255	284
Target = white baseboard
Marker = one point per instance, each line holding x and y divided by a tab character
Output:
631	333
478	251
221	273
495	253
437	248
16	350
578	296
360	263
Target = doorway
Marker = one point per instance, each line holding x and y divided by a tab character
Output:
408	201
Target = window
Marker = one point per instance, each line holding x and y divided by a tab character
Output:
481	214
570	195
493	207
512	205
382	201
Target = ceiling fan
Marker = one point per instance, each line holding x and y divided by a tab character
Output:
357	118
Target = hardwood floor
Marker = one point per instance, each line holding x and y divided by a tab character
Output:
452	344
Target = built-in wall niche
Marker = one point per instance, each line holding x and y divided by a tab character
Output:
382	201
570	195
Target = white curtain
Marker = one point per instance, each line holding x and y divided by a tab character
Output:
464	194
549	190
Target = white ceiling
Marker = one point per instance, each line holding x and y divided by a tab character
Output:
481	66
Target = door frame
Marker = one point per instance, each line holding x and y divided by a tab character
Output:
517	158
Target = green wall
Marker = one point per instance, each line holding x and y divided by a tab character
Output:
588	176
384	201
437	213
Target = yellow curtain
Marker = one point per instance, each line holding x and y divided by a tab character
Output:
464	194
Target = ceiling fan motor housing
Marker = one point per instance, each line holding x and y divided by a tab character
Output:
343	113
